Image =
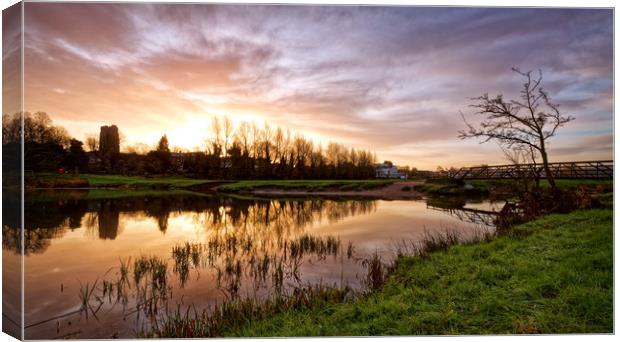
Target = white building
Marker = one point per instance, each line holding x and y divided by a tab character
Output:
387	170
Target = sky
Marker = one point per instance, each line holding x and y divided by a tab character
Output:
388	79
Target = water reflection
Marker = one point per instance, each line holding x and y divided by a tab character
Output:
467	211
52	218
130	257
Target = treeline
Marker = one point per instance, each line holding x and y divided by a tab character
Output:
46	147
249	151
243	152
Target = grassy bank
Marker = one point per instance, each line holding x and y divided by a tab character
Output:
305	185
447	187
560	183
559	279
115	181
554	277
50	180
98	194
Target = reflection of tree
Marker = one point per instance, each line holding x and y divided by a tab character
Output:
36	240
43	222
267	220
250	240
162	222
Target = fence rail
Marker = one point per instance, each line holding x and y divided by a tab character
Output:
598	169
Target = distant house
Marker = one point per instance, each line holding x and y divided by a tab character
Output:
388	170
94	160
177	159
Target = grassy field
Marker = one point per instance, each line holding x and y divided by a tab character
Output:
306	185
118	181
446	187
97	194
560	183
557	278
134	181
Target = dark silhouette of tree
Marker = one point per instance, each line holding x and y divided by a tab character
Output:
76	158
44	143
524	124
245	151
162	145
92	142
159	161
11	128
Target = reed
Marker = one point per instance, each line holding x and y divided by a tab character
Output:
231	315
376	273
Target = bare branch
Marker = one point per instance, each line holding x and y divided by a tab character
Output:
503	122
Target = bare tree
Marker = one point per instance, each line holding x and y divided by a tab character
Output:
524	124
122	138
228	131
524	173
243	135
216	141
92	142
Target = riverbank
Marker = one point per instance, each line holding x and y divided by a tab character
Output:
96	181
364	188
554	275
477	187
385	189
371	188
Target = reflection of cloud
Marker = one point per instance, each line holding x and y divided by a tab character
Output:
379	78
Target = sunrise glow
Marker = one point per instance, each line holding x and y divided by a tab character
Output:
392	80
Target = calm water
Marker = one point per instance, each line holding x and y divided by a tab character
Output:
233	248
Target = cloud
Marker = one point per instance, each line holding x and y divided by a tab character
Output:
380	78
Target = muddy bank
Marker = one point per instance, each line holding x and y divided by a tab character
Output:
399	190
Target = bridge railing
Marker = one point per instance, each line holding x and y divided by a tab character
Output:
598	169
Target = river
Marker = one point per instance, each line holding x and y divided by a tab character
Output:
211	249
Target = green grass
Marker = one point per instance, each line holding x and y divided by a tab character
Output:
560	183
97	194
606	199
571	183
305	185
558	279
135	182
446	187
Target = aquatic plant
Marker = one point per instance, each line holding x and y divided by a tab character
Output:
232	314
376	273
85	294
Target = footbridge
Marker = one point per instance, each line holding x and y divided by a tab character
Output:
598	169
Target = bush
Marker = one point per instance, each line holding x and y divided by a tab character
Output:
543	201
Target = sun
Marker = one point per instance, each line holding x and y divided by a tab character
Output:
190	135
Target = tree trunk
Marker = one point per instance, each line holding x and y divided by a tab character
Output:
543	153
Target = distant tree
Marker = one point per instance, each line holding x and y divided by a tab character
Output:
122	138
11	128
92	142
159	160
524	124
162	145
44	143
228	132
38	129
137	148
76	158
